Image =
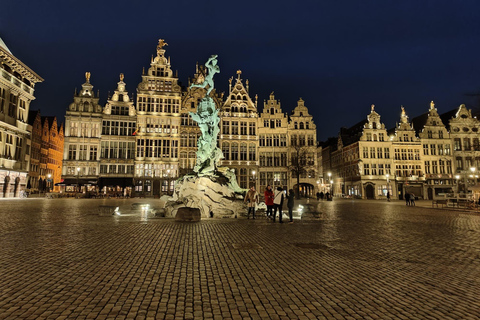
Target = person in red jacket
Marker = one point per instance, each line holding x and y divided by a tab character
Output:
269	200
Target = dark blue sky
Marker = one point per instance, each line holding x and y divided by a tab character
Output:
339	56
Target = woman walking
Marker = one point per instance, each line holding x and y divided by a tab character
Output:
268	194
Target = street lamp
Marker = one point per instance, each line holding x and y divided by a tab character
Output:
473	169
458	179
254	179
49	181
330	181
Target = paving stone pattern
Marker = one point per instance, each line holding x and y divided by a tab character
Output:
361	260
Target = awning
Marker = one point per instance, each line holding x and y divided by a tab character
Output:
74	182
115	182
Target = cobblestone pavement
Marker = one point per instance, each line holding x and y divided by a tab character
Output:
361	260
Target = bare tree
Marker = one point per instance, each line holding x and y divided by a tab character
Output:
301	161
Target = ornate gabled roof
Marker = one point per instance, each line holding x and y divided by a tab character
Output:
120	97
239	95
404	125
271	103
32	115
13	62
300	110
197	93
4	46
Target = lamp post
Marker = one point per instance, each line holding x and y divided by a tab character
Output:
330	181
49	181
78	174
458	179
254	179
473	169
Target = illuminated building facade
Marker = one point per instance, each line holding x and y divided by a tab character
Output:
159	98
273	149
302	150
464	134
436	154
17	83
117	144
83	121
238	131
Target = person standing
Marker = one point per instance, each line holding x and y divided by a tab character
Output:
321	195
268	194
412	199
251	199
278	204
290	204
407	198
388	196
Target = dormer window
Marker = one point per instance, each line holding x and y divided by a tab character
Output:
272	110
295	125
301	125
374	125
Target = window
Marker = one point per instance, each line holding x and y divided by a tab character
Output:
72	152
381	137
251	152
243	151
379	153
251	128
425	149
243	128
366	169
226	150
234	151
433	150
226	127
234	127
365	152
372	152
369	137
457	144
387	153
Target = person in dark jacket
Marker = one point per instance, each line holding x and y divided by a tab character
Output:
290	204
407	198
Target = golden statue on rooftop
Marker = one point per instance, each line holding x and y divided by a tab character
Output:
87	76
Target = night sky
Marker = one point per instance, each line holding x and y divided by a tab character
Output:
339	56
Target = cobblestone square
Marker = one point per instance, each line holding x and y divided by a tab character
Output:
61	259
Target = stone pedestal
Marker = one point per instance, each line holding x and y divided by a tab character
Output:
212	195
188	214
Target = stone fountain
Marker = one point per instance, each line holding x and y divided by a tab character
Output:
211	190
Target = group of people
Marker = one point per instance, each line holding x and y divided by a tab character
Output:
321	196
273	200
410	199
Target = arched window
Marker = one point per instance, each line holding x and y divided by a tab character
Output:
234	154
243	151
295	125
272	110
307	125
301	125
251	152
374	125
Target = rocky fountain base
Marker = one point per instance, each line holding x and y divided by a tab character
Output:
211	196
